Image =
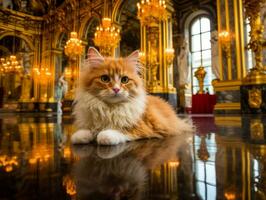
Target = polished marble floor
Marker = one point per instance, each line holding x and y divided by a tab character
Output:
224	159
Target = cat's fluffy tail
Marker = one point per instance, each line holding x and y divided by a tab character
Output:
184	125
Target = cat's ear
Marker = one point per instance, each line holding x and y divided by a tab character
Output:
134	59
94	57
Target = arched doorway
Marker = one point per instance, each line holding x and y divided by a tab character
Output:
11	82
130	26
89	32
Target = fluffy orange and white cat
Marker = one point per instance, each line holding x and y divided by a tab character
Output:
112	106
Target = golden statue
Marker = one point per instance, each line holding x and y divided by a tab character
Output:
200	74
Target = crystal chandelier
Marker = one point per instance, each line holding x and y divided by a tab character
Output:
106	37
151	11
10	65
73	47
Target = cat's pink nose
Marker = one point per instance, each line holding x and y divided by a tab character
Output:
116	90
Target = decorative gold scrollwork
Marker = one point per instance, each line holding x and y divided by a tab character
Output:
254	98
256	130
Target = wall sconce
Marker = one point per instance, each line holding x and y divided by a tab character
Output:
169	55
224	37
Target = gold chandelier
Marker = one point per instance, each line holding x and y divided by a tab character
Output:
10	65
73	47
42	75
8	162
106	37
151	11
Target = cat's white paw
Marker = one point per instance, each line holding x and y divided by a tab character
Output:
82	137
111	137
107	152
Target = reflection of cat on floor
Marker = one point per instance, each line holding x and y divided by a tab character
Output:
120	172
117	178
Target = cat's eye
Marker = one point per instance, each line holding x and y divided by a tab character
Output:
124	79
105	78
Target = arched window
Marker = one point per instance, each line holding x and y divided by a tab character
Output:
248	52
200	48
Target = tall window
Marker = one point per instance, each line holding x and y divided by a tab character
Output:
248	52
200	47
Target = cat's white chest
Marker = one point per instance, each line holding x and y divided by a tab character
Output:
93	114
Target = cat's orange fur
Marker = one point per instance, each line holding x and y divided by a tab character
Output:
129	115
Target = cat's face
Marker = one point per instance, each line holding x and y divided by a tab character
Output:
112	80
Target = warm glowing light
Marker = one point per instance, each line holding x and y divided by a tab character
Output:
8	162
69	184
150	11
107	36
73	47
40	153
43	74
10	65
224	38
173	163
230	195
142	57
169	54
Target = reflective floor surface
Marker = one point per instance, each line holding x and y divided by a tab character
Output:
224	159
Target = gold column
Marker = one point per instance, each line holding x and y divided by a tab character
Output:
156	47
231	56
257	74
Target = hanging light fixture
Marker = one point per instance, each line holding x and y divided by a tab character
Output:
11	64
150	11
106	36
73	47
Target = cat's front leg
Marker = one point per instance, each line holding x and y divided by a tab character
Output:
112	137
82	136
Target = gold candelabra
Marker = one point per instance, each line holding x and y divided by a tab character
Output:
107	37
73	47
257	74
151	11
10	65
200	74
224	38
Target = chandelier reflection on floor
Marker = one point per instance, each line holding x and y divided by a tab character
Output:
151	11
106	37
73	47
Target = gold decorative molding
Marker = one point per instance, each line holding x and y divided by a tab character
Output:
227	85
257	74
232	121
256	129
254	98
227	106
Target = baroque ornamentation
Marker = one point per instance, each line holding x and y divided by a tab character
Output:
200	74
254	98
257	74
